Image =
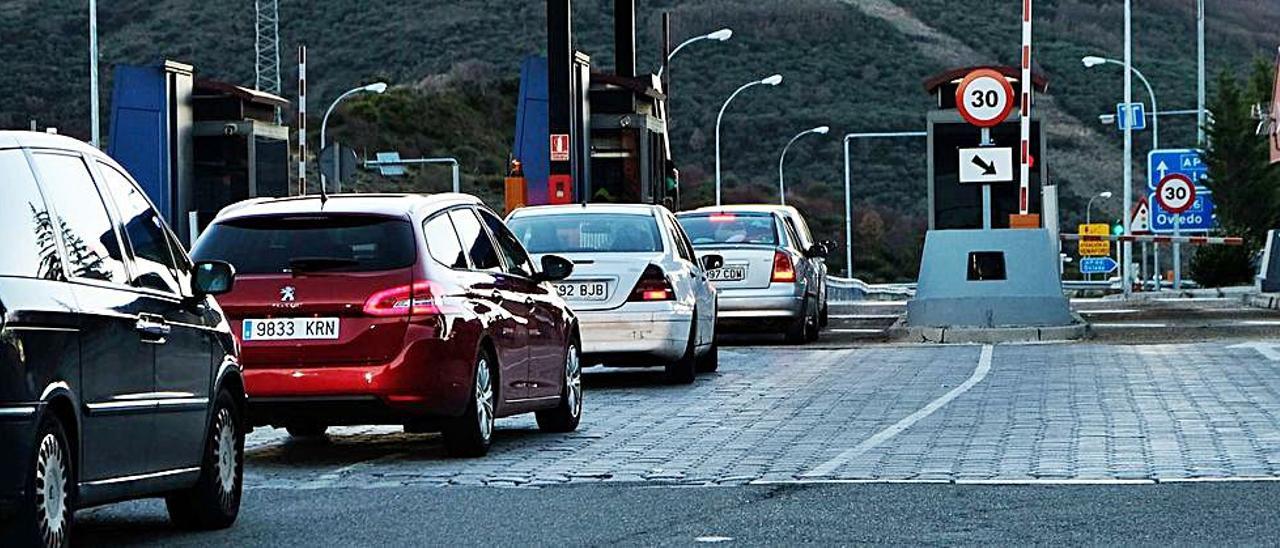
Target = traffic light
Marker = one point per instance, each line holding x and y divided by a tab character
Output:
1117	229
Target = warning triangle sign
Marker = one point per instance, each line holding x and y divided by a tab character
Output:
1140	220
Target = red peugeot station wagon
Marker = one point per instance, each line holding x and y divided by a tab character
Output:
395	309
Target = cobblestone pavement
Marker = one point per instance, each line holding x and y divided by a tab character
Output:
781	414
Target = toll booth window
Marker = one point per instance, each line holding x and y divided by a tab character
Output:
986	266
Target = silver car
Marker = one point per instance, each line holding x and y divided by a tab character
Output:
770	279
640	291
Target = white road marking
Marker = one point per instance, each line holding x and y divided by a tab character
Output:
979	373
713	539
865	316
1109	311
1131	325
1023	481
1268	350
855	330
1261	322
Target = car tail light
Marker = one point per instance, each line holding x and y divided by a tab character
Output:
653	286
723	217
783	269
408	300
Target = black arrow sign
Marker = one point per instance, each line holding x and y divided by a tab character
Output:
988	169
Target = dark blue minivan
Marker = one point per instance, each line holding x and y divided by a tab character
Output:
118	371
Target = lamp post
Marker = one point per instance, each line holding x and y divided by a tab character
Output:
378	87
1088	210
95	137
719	36
782	187
771	81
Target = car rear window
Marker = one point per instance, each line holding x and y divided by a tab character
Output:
587	233
730	228
316	243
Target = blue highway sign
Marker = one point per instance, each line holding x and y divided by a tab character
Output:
1199	218
1098	265
1184	161
1132	114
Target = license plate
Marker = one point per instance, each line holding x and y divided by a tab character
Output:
728	274
291	329
583	291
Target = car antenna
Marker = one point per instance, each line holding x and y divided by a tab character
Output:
324	196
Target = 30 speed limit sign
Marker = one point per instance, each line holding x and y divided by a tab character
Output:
1176	193
984	98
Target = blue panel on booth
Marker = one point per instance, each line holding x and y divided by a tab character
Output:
138	131
533	134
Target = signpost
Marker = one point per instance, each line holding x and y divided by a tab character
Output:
986	165
984	99
1098	265
1176	193
1131	116
1165	162
1095	248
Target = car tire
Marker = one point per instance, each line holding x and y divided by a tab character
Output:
710	361
470	435
824	318
568	412
798	331
685	369
45	514
813	327
214	501
305	431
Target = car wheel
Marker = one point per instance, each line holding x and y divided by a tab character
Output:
471	434
813	326
45	514
306	431
824	318
710	361
685	369
568	413
214	501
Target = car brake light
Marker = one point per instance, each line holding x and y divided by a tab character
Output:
783	269
408	300
723	218
653	286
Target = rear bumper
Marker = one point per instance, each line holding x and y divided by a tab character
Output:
18	431
760	309
430	377
654	330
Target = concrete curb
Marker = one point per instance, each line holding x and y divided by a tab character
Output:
1263	300
989	335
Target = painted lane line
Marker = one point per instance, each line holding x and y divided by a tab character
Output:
980	373
1109	311
856	331
1130	325
865	316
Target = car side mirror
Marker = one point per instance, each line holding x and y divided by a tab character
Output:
554	268
213	278
711	262
818	251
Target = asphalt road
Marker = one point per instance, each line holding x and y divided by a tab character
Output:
606	515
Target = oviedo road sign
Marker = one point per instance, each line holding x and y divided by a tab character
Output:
1176	193
1197	218
984	98
1182	161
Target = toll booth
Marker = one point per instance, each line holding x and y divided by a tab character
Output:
978	271
196	146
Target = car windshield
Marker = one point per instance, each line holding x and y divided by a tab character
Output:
587	233
316	243
730	228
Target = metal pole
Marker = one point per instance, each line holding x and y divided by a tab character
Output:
1127	247
1177	253
1200	119
848	208
95	138
457	177
782	188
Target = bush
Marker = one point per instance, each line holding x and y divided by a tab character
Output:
1222	266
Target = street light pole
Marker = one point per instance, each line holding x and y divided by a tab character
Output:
772	81
782	187
1200	122
848	175
378	87
95	137
1088	210
1091	61
719	36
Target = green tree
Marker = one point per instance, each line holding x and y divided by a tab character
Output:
1246	188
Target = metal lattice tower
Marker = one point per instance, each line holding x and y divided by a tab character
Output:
267	46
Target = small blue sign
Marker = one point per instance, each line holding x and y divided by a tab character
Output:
1184	161
1131	116
1198	218
1098	265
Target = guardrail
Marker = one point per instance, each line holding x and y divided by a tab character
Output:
848	290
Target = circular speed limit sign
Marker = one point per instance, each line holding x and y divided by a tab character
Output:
984	98
1176	193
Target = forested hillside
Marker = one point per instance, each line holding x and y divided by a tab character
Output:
856	65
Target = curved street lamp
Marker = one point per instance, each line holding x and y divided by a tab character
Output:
1088	210
782	187
770	81
378	87
719	36
1093	61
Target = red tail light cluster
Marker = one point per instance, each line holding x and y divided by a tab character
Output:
783	269
408	300
653	286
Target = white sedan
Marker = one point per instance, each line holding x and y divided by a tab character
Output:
640	292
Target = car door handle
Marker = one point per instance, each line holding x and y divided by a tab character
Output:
528	301
152	328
